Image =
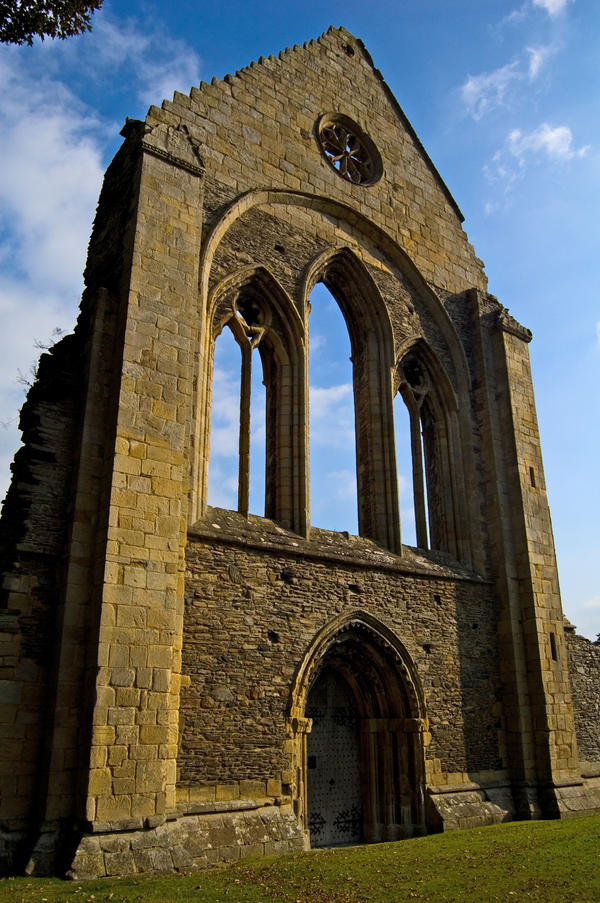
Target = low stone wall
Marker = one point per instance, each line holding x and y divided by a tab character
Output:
190	843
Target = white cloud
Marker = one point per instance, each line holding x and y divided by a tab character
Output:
592	603
344	484
404	485
546	143
481	93
332	416
222	487
316	342
556	142
52	158
538	57
225	412
325	402
161	64
50	175
516	15
552	7
407	517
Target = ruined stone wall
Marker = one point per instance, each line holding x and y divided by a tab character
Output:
33	531
255	598
584	673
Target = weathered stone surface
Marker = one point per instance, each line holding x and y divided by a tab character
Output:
158	657
188	844
584	673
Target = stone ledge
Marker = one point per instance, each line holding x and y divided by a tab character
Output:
468	786
590	769
253	532
190	843
449	811
216	806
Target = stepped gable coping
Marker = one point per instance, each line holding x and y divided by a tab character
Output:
271	60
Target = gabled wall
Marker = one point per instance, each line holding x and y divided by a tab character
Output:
137	593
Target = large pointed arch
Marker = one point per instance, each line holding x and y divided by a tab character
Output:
380	675
371	341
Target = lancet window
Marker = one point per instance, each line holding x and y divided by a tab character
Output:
268	331
437	473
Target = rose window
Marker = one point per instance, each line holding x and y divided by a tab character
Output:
348	150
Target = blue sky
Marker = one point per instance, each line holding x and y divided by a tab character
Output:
505	97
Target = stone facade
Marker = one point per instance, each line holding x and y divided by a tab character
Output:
158	655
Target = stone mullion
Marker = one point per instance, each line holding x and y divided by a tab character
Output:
385	506
418	475
244	437
459	490
445	473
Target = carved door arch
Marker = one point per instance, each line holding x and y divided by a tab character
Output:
361	655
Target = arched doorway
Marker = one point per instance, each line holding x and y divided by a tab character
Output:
363	767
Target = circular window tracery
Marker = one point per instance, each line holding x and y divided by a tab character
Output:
349	150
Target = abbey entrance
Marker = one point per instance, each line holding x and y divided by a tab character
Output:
364	758
188	682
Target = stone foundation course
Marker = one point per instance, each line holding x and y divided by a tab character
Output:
190	843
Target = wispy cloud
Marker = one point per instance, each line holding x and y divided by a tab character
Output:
594	602
488	90
538	57
545	144
554	142
481	93
53	154
344	484
161	64
332	405
516	15
553	7
50	175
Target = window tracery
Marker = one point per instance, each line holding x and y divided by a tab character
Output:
348	149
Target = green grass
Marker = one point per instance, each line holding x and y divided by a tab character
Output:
525	861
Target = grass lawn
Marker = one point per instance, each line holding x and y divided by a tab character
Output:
548	862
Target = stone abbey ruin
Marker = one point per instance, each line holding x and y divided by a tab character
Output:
183	685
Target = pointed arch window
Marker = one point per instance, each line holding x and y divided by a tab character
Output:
371	344
268	332
437	468
234	403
